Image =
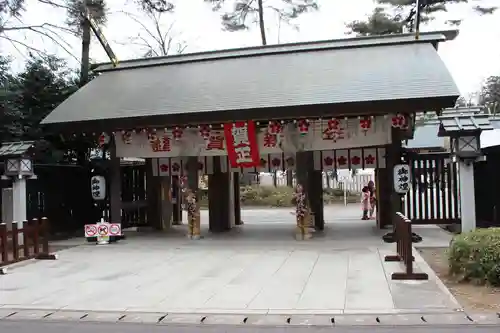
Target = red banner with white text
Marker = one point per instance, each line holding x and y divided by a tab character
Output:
241	143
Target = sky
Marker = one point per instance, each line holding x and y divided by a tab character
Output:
471	57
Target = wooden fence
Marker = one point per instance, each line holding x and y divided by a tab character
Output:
404	250
352	184
433	196
28	242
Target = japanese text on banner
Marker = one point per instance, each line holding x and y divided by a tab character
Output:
241	142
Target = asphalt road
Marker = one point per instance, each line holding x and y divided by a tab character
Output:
71	327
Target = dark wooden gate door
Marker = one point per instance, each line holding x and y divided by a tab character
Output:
433	197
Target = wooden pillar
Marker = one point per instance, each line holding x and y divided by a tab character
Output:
389	201
394	154
304	165
218	199
192	186
165	203
237	203
115	185
384	190
315	193
176	201
153	194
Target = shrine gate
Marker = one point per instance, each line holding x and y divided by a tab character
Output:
338	104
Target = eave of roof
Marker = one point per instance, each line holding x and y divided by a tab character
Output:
433	37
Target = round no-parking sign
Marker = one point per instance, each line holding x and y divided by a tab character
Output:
102	230
115	229
90	230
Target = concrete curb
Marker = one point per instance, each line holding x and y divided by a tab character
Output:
430	319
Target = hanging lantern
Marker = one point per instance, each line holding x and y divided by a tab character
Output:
303	126
177	133
103	139
152	137
365	124
334	124
399	121
205	132
127	137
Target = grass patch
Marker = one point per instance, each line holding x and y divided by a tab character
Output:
281	196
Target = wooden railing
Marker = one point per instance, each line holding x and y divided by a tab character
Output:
35	241
404	248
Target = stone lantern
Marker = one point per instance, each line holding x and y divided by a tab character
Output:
18	167
464	127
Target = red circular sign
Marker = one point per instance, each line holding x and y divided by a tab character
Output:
103	230
115	229
90	230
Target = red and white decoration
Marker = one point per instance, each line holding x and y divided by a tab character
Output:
273	134
356	158
342	159
303	127
241	143
152	137
289	161
370	158
215	141
328	160
164	167
170	166
334	131
103	139
365	124
400	121
160	143
276	162
177	133
205	132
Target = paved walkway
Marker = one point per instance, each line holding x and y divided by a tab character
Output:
257	268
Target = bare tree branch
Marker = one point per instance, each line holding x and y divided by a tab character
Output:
28	47
157	40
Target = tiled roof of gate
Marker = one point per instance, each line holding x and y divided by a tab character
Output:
391	67
464	119
15	149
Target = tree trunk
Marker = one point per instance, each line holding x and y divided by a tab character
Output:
261	22
85	67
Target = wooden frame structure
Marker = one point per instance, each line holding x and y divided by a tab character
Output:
283	83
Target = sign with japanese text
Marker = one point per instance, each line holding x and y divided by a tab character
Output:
98	187
241	143
401	178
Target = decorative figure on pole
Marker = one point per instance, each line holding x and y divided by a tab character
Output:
302	213
193	210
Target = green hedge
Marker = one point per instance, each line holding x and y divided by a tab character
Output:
475	256
281	196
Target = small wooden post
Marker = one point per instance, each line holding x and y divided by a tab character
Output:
3	243
26	234
44	231
45	234
15	241
35	227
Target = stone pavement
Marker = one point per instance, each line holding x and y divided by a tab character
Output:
256	269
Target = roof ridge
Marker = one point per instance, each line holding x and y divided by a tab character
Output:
342	43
